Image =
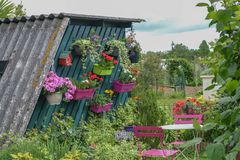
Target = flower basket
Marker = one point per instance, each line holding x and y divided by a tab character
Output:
77	50
81	94
119	87
54	98
65	59
133	56
129	129
101	70
101	109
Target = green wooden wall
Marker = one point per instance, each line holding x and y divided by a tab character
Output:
42	114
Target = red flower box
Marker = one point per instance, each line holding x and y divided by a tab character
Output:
81	94
101	109
65	59
120	87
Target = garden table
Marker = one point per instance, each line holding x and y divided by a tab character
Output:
178	127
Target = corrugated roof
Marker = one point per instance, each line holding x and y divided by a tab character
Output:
30	44
71	16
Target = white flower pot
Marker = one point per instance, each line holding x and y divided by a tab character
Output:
54	98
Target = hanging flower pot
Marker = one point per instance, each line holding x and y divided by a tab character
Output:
103	71
101	109
129	129
115	52
54	98
65	59
120	87
133	56
77	50
81	94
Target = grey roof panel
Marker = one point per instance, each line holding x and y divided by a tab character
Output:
30	47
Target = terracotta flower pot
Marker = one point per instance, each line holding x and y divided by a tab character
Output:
101	70
101	109
120	87
81	94
54	98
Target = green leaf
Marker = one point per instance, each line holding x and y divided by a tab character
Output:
232	156
209	126
202	5
232	86
215	151
190	143
226	116
210	87
223	137
212	15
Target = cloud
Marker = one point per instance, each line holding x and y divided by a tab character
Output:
169	26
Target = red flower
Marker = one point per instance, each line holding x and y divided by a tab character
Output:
94	76
101	79
84	74
90	73
109	58
115	62
104	54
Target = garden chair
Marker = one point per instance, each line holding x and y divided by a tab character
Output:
186	119
151	131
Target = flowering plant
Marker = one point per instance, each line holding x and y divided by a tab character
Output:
128	75
117	48
100	100
188	106
134	48
88	81
54	83
107	61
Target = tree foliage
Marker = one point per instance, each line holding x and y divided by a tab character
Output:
8	9
225	15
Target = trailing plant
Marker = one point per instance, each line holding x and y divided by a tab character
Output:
113	45
226	19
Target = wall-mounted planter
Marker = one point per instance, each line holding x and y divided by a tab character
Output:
101	109
81	94
65	58
133	56
54	98
101	70
120	87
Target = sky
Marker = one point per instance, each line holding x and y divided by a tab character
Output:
179	21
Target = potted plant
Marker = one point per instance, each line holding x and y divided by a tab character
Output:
87	48
87	86
101	103
114	47
134	48
126	81
54	88
105	65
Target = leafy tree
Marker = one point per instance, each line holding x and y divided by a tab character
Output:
226	18
203	49
9	10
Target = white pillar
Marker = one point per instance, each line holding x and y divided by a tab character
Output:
207	81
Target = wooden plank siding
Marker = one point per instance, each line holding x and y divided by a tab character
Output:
42	114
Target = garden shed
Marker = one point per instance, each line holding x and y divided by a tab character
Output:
30	47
